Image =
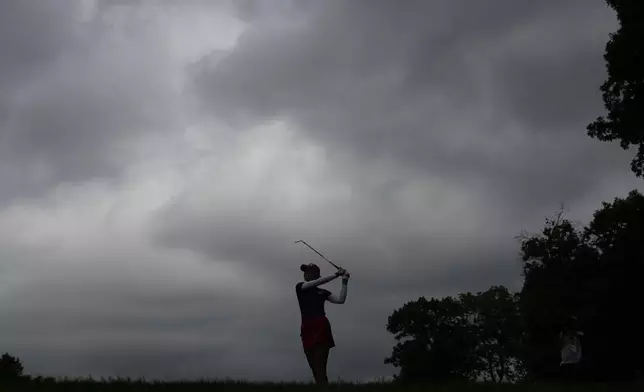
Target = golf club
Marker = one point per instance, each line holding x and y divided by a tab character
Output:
320	254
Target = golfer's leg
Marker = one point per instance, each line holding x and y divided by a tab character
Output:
325	360
320	361
310	358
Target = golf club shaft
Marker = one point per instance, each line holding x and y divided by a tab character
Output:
320	254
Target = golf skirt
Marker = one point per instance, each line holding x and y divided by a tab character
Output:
316	331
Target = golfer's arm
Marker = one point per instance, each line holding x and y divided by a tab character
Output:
339	299
318	281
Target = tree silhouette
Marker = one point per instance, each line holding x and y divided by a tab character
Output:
10	368
497	324
552	291
579	278
623	91
434	342
590	273
471	336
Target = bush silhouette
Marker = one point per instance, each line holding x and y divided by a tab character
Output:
10	367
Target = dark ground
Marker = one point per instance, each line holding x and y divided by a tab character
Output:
125	385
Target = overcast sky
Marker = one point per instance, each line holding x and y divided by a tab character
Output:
159	158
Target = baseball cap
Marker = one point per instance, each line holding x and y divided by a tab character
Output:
309	267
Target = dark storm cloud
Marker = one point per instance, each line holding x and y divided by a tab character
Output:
33	37
108	316
78	96
73	96
457	89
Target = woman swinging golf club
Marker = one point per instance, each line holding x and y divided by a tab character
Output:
317	338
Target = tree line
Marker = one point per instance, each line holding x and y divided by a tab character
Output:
585	279
588	276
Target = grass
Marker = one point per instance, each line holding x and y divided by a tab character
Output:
88	385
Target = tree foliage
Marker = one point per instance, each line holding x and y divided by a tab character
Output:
623	91
587	278
457	338
10	367
497	325
553	289
591	273
433	341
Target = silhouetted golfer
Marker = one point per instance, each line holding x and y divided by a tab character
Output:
317	338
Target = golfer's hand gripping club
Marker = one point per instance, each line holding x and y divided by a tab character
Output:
343	273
